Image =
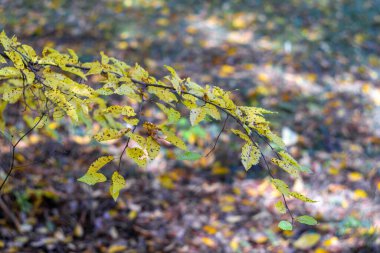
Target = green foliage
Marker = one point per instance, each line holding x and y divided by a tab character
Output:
285	225
308	220
188	155
56	86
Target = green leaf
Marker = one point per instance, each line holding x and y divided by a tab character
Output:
308	220
285	225
189	156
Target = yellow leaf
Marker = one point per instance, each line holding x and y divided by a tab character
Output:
172	114
73	55
218	170
241	135
166	182
320	250
194	88
212	111
197	115
138	139
16	58
333	241
92	176
104	58
189	101
287	166
59	99
12	95
9	72
5	41
95	68
128	90
301	197
227	208
132	122
29	51
2	59
137	154
226	70
355	176
280	207
250	155
281	186
163	94
117	248
289	159
120	110
107	134
152	147
173	139
174	79
210	229
138	73
260	238
276	140
360	194
208	242
73	70
99	163
263	77
118	183
307	241
234	244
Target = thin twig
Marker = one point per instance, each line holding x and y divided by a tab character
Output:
133	130
217	138
13	151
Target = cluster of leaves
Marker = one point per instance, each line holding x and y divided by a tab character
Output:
57	85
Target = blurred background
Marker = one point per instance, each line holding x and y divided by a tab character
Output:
316	63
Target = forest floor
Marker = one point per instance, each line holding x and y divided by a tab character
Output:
316	64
